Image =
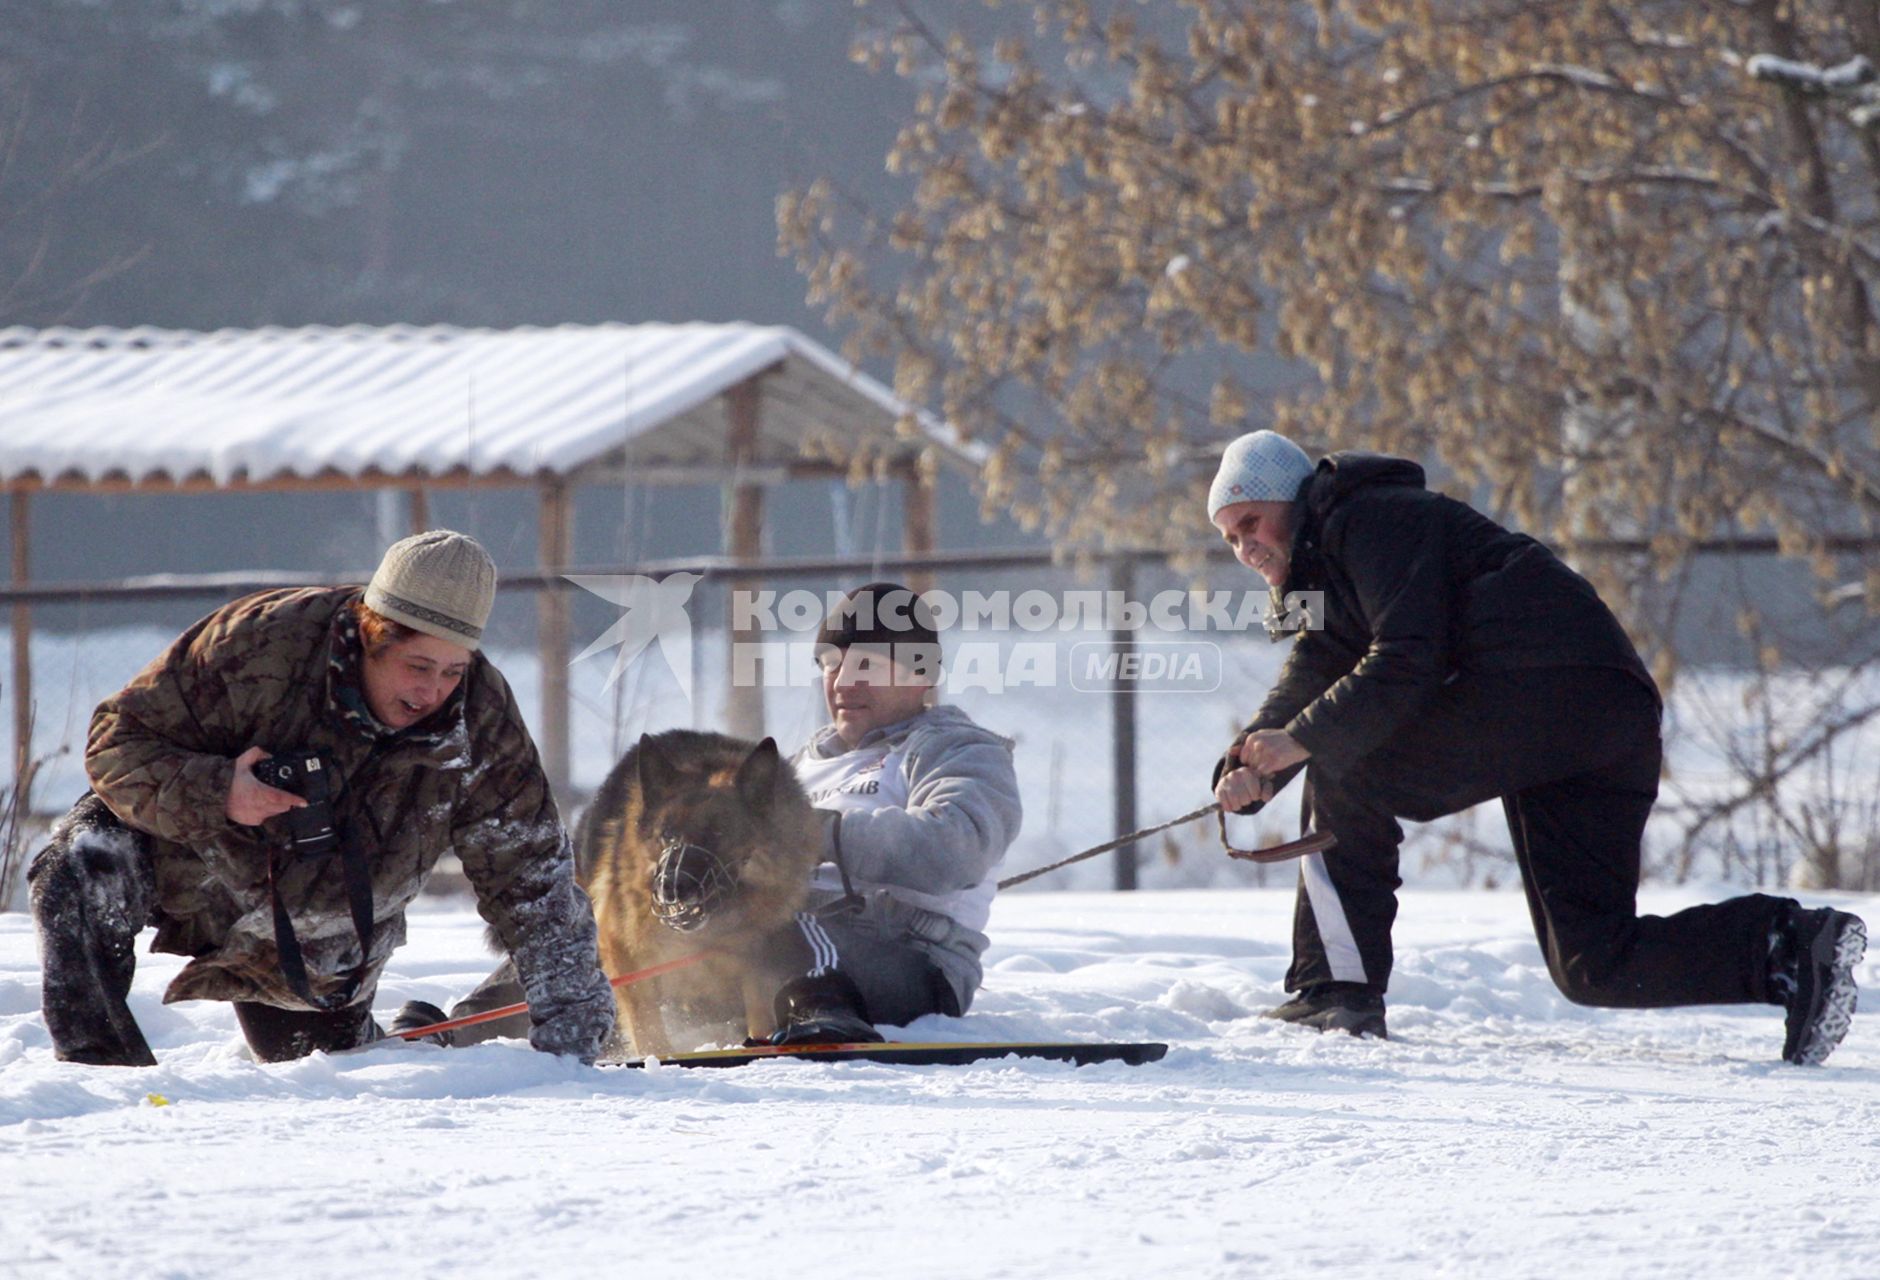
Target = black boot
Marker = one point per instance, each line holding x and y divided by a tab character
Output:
1336	1006
824	1008
91	889
419	1013
1812	955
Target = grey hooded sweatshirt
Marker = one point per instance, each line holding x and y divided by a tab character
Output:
926	810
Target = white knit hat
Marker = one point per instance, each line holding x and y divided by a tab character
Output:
440	583
1261	466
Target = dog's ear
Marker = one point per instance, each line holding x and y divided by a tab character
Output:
657	773
759	775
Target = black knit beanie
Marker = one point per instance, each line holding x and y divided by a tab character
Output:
888	615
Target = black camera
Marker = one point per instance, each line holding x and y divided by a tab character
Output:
307	774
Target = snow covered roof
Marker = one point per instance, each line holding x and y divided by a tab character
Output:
264	407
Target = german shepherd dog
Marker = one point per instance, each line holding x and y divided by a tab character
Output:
696	842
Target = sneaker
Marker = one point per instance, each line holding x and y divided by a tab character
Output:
1812	967
1339	1006
414	1014
822	1009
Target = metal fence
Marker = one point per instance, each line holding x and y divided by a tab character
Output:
1110	736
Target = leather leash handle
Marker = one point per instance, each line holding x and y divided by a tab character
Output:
1311	842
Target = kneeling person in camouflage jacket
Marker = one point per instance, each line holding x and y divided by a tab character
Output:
401	742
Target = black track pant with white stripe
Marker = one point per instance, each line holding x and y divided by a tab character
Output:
897	982
1573	754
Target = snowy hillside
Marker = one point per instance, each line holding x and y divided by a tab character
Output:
1501	1133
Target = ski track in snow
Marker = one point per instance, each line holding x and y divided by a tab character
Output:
1503	1132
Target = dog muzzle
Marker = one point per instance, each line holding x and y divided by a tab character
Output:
690	882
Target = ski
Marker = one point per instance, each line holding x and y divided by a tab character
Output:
914	1053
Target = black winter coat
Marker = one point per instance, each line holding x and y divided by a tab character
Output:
1418	589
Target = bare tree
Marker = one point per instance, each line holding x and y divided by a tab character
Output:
1612	266
45	162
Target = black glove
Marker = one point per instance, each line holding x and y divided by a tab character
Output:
420	1013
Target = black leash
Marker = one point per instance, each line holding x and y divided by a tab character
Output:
850	902
1310	843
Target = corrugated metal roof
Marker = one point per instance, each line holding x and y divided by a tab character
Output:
255	406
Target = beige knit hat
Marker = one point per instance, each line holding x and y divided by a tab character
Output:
440	583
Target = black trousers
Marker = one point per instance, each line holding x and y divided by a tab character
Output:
281	1035
92	891
1573	754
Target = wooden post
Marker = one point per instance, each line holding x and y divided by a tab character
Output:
1123	729
553	626
20	509
420	509
744	533
917	522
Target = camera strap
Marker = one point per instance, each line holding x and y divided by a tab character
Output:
358	881
287	944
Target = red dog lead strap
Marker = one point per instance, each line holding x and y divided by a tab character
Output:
510	1010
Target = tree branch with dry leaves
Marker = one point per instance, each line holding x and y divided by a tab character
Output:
1613	265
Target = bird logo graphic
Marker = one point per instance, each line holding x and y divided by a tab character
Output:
652	609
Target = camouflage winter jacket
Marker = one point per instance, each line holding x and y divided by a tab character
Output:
280	670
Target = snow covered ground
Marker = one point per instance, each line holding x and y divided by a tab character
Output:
1502	1132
